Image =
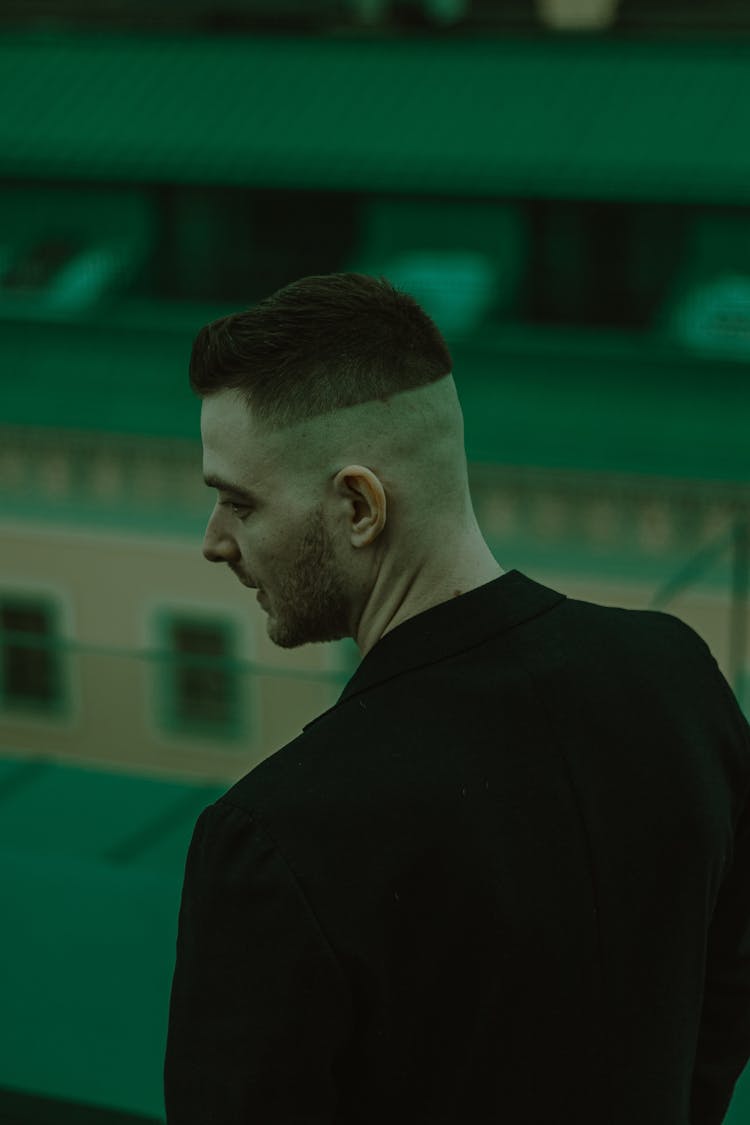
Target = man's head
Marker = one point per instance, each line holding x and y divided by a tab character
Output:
333	405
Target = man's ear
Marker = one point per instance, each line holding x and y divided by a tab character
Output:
364	492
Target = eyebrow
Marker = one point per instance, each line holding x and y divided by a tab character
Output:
226	486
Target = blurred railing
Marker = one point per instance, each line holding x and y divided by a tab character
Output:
387	16
155	711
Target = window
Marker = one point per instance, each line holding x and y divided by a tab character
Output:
202	680
31	662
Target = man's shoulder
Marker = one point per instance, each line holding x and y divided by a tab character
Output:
300	766
344	745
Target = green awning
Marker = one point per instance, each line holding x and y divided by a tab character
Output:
557	116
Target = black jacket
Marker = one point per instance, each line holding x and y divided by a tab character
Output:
506	878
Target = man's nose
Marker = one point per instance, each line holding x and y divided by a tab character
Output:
218	545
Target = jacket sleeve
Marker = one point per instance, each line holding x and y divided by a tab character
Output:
259	1009
724	1036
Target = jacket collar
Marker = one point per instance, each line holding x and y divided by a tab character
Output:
449	628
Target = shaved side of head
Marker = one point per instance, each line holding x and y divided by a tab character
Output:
413	441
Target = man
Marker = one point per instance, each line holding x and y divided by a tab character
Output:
507	876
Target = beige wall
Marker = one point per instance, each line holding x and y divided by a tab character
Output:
111	590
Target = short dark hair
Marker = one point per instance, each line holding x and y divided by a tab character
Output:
318	345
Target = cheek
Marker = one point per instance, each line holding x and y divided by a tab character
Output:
265	545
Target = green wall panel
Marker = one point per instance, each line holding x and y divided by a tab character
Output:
608	402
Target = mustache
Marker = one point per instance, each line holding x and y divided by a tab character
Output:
242	577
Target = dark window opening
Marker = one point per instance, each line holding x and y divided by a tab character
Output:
31	663
204	684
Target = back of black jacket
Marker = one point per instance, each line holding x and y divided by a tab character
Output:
506	877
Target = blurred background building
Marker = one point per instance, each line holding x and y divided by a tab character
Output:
563	184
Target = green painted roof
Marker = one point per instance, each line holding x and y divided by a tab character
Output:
568	115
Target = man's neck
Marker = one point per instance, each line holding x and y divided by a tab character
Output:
395	599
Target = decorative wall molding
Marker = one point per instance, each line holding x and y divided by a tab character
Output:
158	482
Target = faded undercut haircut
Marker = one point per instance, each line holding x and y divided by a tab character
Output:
318	345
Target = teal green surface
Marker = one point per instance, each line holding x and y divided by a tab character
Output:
595	117
91	867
